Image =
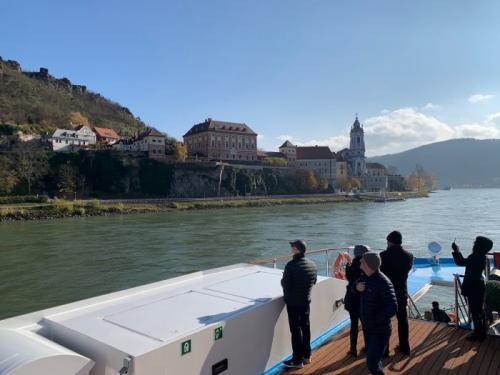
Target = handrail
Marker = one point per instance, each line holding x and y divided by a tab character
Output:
288	256
412	306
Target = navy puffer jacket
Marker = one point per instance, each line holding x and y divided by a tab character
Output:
378	304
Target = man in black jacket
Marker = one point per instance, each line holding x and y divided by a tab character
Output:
378	305
396	264
298	279
473	286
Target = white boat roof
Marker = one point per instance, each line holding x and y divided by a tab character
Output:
145	318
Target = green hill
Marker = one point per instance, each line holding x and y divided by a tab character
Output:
36	102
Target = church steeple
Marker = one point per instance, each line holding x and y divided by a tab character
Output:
356	125
357	149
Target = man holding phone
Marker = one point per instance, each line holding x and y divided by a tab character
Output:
473	287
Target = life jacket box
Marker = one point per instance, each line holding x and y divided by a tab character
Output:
225	321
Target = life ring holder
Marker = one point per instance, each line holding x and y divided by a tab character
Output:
342	260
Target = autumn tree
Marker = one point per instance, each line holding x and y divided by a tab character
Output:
344	183
275	161
180	152
8	177
306	181
30	163
77	118
67	180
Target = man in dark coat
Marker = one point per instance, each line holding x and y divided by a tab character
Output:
352	297
299	277
378	305
396	264
473	285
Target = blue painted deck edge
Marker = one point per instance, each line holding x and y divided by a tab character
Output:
317	342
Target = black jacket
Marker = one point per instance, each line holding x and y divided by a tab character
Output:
353	274
475	264
396	264
439	315
298	279
378	304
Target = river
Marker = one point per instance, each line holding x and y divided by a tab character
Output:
48	263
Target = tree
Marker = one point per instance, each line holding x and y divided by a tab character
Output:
306	181
77	118
180	152
8	178
67	180
275	161
31	163
324	184
355	183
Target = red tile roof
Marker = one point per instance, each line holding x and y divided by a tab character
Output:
314	153
106	133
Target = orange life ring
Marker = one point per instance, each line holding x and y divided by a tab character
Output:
343	259
453	317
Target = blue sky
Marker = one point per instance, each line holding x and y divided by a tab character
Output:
288	68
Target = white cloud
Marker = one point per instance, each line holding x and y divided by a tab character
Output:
406	128
431	106
477	98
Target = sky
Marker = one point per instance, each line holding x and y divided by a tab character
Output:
415	72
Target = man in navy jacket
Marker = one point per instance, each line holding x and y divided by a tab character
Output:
378	306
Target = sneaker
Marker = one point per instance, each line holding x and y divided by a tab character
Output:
293	364
306	361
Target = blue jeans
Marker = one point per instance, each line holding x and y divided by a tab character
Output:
375	346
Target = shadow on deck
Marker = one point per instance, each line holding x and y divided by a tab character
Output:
436	349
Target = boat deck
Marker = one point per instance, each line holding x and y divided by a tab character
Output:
436	349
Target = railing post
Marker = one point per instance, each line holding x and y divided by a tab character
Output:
275	261
487	268
457	317
327	264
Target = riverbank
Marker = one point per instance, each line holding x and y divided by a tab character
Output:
59	209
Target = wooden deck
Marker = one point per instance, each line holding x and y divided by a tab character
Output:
436	349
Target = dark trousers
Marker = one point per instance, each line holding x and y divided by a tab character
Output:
476	306
375	346
298	318
403	329
354	316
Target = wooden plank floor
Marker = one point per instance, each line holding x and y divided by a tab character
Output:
436	349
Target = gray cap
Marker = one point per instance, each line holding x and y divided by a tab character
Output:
359	250
372	260
300	245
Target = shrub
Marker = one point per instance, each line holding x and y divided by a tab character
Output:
14	199
95	204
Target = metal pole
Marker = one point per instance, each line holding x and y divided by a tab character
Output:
487	273
327	264
275	261
456	302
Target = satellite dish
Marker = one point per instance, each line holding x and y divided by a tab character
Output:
434	247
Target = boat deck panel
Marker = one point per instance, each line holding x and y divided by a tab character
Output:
436	349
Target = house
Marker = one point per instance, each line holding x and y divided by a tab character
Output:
318	159
341	170
375	179
290	151
125	145
152	142
106	135
69	140
222	140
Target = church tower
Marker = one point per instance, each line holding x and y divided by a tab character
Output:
357	149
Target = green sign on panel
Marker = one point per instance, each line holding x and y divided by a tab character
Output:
218	333
186	347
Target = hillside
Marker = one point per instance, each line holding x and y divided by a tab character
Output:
37	102
456	162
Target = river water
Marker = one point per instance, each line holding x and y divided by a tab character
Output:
48	263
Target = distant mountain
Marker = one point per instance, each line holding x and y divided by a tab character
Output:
36	102
456	162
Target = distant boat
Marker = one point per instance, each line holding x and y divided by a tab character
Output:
447	188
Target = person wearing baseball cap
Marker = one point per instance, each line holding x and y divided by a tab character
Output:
473	285
396	265
378	306
299	277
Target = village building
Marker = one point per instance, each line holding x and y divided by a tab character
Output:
152	142
69	140
318	159
106	135
375	179
221	140
290	151
341	167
